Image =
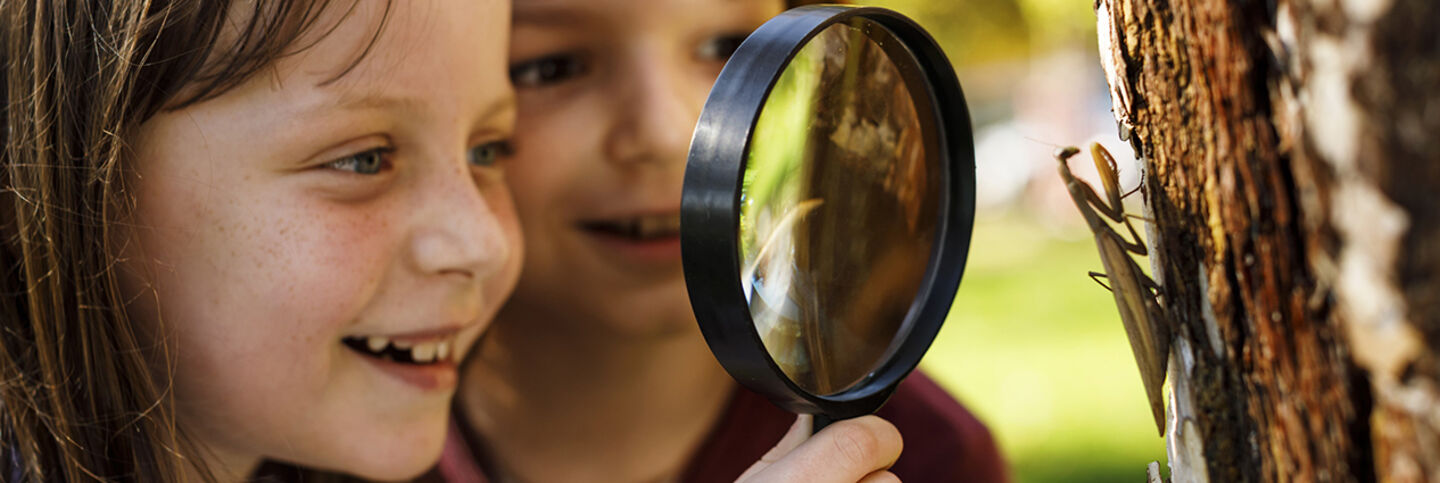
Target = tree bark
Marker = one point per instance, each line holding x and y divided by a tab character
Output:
1292	158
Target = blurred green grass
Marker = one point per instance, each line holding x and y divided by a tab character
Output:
1037	351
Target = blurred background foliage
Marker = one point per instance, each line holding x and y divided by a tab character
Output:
1033	346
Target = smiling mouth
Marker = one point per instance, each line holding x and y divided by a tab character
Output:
640	229
402	351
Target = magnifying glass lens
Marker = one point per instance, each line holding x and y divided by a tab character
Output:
838	209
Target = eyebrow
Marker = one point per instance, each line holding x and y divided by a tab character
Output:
505	105
539	14
547	16
361	101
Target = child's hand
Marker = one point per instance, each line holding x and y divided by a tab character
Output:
860	449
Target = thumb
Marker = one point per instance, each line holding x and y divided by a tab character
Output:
798	433
858	449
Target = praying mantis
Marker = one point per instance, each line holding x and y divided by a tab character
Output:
1146	323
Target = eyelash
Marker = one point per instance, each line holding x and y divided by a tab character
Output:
547	70
352	163
497	150
558	68
721	47
376	160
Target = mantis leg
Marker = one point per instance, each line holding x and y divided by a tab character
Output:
1096	276
1135	246
1114	212
1130	246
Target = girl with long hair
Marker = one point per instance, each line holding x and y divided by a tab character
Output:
236	231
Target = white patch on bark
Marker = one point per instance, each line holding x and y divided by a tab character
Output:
1370	225
1366	11
1112	59
1367	291
1417	398
1333	116
1285	30
1152	473
1185	449
1153	236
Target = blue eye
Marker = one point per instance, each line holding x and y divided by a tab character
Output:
486	155
547	70
366	162
720	47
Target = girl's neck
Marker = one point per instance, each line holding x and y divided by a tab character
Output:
561	405
225	466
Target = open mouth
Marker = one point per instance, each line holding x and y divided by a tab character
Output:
640	229
402	351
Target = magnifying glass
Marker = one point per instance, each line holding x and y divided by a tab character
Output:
827	209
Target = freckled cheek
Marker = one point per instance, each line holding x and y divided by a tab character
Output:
335	262
301	274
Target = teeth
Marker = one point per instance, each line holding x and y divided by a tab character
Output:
423	353
652	226
398	350
639	228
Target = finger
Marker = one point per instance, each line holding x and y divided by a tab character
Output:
881	477
856	447
799	432
845	451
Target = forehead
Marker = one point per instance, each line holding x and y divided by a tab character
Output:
560	12
402	48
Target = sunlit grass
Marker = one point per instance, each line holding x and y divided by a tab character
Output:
1037	351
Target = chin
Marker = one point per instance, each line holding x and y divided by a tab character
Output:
659	321
394	455
402	465
403	472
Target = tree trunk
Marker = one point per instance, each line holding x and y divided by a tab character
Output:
1292	159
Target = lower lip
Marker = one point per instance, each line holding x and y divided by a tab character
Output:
437	376
658	250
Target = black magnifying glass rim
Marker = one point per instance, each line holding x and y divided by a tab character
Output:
710	207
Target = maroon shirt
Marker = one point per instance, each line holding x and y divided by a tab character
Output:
943	441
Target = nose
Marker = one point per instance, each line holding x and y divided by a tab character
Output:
655	109
461	223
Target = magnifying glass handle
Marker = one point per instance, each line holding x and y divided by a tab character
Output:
819	423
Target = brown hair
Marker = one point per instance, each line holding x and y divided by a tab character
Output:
84	395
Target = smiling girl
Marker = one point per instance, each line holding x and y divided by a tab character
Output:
236	231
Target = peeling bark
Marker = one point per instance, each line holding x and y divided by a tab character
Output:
1292	151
